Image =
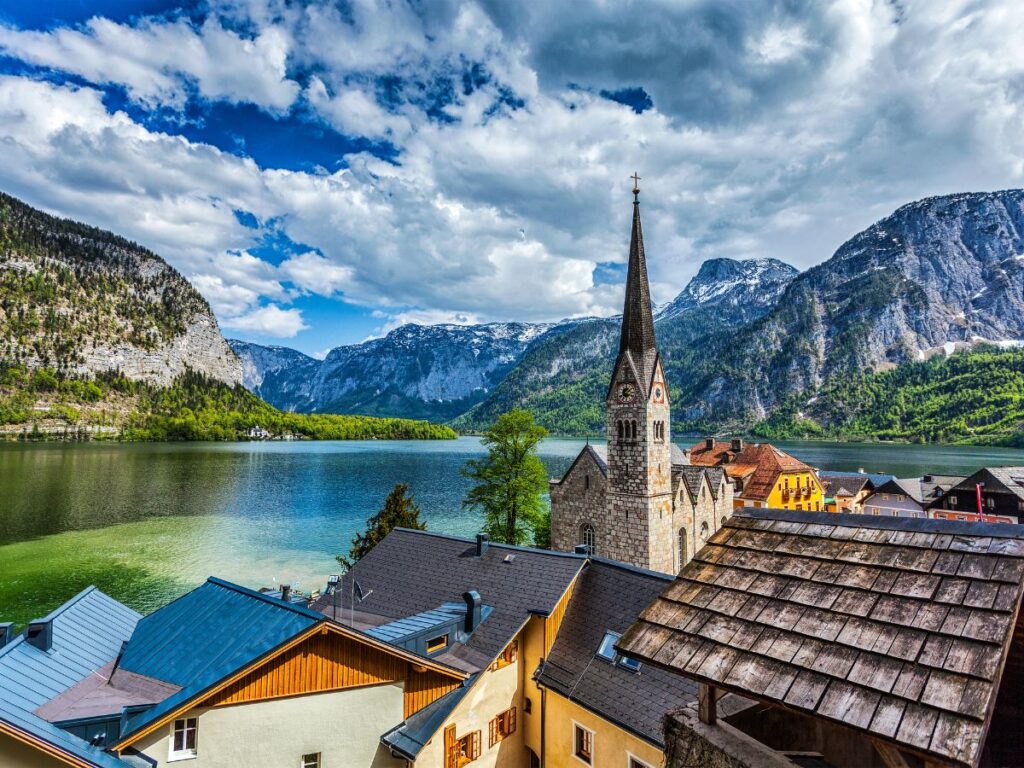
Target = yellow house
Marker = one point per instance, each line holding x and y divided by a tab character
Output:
763	475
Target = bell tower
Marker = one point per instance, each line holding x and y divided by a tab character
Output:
639	523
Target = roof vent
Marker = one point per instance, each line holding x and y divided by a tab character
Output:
927	478
473	609
286	592
509	558
482	542
582	549
709	443
5	632
40	634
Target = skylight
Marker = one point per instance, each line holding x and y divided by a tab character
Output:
607	652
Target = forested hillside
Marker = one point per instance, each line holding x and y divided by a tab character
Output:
975	396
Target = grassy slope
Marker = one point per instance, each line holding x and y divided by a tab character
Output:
971	397
41	404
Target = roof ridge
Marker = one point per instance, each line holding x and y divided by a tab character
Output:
17	639
858	520
516	547
632	568
309	612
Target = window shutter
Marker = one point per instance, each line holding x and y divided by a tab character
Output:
512	720
451	748
494	733
476	745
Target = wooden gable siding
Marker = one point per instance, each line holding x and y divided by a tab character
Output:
328	661
554	620
423	688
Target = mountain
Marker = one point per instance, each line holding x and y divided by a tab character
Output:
416	371
82	301
936	273
751	287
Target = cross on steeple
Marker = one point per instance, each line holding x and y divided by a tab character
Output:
636	187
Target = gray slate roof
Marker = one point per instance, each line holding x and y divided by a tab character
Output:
609	596
410	572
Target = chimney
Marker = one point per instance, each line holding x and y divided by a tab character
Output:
482	542
40	634
5	632
709	443
737	444
582	549
927	478
286	592
473	606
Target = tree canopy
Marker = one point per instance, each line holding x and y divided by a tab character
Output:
400	511
510	480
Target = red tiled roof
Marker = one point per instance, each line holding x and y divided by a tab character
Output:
757	464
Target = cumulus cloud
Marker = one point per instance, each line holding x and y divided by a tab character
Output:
773	130
159	61
270	320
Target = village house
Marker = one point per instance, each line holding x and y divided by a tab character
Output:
847	491
908	497
992	495
843	641
763	475
637	499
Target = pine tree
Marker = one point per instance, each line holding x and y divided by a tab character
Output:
400	511
510	480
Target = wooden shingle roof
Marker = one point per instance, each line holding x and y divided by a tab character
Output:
897	627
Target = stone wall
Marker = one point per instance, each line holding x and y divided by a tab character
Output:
580	497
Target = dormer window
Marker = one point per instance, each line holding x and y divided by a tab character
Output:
437	644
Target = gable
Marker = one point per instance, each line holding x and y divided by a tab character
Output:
658	389
625	372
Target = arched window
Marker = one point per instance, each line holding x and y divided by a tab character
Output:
682	548
632	429
618	428
586	482
588	536
705	532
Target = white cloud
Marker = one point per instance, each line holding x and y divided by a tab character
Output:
158	61
270	320
776	130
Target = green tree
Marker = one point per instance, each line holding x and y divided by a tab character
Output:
510	480
400	511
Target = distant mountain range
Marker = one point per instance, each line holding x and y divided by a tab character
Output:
744	339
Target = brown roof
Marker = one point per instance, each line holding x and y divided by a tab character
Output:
897	627
758	465
105	692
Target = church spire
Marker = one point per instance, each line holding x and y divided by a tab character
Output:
637	319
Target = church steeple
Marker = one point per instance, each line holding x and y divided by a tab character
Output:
637	319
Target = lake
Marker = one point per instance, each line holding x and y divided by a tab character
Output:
145	522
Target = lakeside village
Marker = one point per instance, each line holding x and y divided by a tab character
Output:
726	605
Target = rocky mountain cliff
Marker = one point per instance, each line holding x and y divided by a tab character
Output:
436	371
750	287
936	273
83	301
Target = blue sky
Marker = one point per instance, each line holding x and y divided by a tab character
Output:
325	170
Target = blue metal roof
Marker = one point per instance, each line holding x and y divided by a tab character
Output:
88	631
26	722
206	635
394	631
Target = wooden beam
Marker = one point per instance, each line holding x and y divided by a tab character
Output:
889	754
707	703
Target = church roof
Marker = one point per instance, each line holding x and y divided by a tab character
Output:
896	627
637	337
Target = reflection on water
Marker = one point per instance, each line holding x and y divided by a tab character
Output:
146	521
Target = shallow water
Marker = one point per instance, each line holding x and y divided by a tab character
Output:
145	522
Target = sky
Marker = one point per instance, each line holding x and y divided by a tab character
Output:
326	170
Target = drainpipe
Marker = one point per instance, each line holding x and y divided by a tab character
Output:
543	724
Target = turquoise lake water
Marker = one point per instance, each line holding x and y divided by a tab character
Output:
148	521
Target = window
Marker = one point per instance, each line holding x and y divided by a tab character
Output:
588	536
705	532
682	548
508	656
436	644
311	760
503	725
183	738
606	650
636	762
460	751
583	744
952	502
618	429
990	502
586	482
527	705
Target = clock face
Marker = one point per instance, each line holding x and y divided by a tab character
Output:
626	392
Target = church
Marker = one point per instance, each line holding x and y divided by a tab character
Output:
638	499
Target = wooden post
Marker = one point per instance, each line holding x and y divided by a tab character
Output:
707	703
889	754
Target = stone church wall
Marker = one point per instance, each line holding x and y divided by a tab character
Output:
574	502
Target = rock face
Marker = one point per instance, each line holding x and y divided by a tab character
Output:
751	287
936	273
82	301
415	371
